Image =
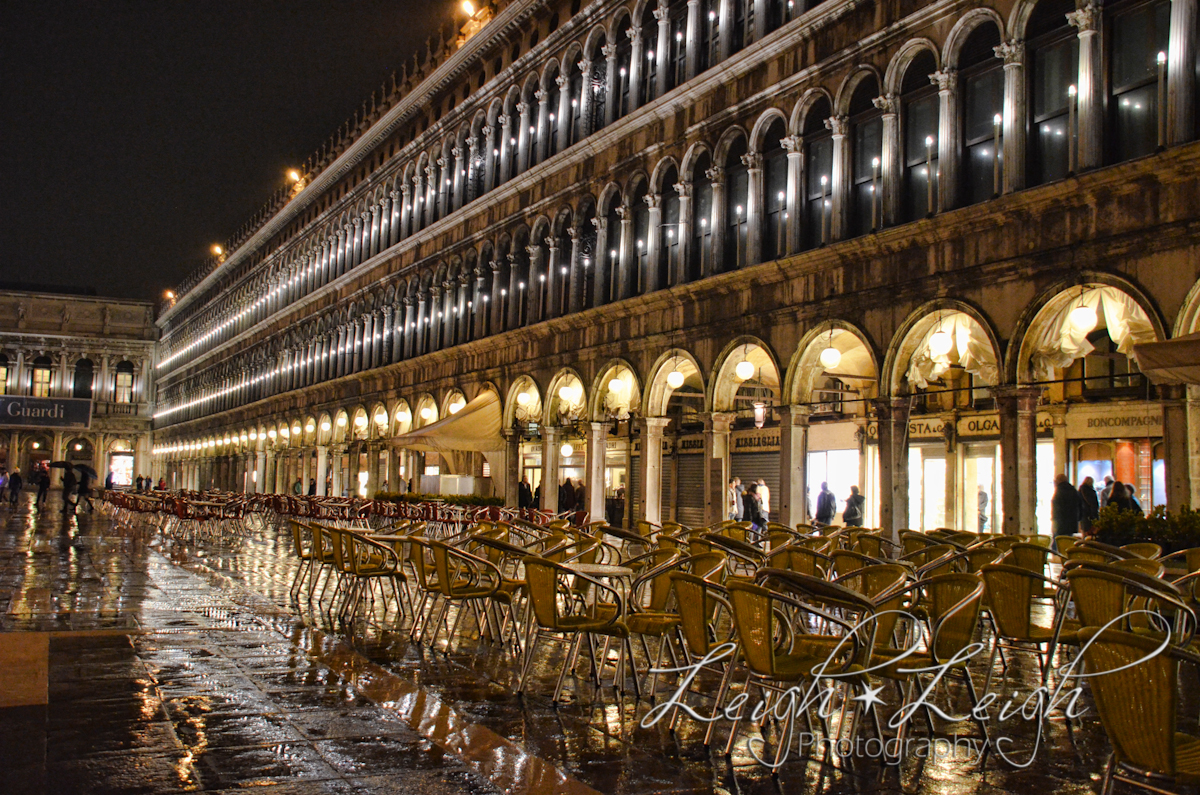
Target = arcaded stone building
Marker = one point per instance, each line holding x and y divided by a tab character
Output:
904	246
76	382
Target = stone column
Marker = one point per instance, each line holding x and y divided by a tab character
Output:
337	451
947	173
1058	414
1089	152
754	207
662	59
603	261
512	467
794	146
691	60
551	438
892	414
460	168
576	272
260	472
564	108
553	279
627	254
716	260
1193	429
597	446
497	318
506	152
653	243
1013	55
1175	445
516	295
491	155
839	177
635	67
537	285
587	95
793	464
650	467
1027	400
725	28
372	449
612	86
322	469
543	124
716	470
523	154
891	167
478	305
1181	73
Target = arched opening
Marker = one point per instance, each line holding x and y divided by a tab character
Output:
866	136
700	256
1053	58
919	109
981	76
669	242
84	375
818	174
775	174
737	194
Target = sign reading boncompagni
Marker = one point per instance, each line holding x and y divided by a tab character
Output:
32	412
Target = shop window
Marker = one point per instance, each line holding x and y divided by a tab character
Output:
3	374
40	383
123	391
1095	460
1139	34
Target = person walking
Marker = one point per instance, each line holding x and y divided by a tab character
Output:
312	487
43	488
298	487
764	496
1089	503
1131	495
580	497
85	492
14	487
752	507
69	484
855	508
524	494
1118	496
1106	492
566	496
108	481
826	505
731	500
138	483
983	500
1065	507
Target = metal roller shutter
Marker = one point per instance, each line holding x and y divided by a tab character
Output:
635	485
689	508
667	493
752	466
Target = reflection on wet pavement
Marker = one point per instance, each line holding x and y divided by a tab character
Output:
223	684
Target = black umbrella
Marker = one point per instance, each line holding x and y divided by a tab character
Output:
60	465
87	470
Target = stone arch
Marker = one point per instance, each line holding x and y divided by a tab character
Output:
962	30
659	392
607	402
908	52
857	363
976	345
693	154
660	169
726	142
425	411
725	384
850	84
762	124
516	407
559	407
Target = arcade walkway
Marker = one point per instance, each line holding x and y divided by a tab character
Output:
175	669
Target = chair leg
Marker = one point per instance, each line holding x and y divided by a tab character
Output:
563	671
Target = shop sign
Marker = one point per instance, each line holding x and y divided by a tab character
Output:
764	440
32	412
1137	421
690	444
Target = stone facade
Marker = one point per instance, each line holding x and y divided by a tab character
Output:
736	222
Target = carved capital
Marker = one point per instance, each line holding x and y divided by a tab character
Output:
454	151
512	259
945	80
838	125
522	108
441	162
502	120
752	160
598	223
541	95
652	200
574	232
585	67
716	175
792	144
531	251
562	80
887	103
609	51
495	266
624	212
634	33
1086	19
486	131
684	189
660	14
1012	53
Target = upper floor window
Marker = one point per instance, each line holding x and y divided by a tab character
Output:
818	171
866	123
1053	75
981	77
1139	34
123	390
83	379
40	385
775	169
919	104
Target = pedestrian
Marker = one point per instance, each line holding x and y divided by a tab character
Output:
3	478
580	497
731	500
162	484
566	496
764	496
298	487
524	493
1065	507
14	487
1118	496
69	484
737	494
826	505
855	508
43	485
312	487
1090	505
85	492
537	496
752	507
1131	494
1106	492
108	481
138	483
983	500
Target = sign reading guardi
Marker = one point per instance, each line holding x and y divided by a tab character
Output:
31	412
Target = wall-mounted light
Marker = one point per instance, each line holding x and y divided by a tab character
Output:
567	450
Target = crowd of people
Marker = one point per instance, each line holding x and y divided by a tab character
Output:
1074	510
751	502
572	495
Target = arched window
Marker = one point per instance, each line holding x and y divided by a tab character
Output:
708	52
39	385
575	130
867	148
675	59
739	22
919	106
981	78
775	171
562	299
700	256
1140	31
641	239
519	288
737	191
509	152
123	386
588	256
3	374
597	83
82	387
818	175
610	284
669	249
554	102
624	61
532	114
1054	69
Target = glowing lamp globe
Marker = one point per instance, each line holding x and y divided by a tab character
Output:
403	416
616	385
566	393
522	398
381	418
284	432
831	357
1082	318
341	420
360	421
426	413
744	370
310	427
674	379
456	406
566	450
940	343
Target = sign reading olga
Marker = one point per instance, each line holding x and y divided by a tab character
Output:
31	412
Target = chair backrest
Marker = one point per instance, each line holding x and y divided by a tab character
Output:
698	600
754	618
1145	550
1142	565
709	566
884	584
1009	591
1033	557
914	540
1064	544
304	552
953	602
1099	595
798	558
541	579
845	561
1135	693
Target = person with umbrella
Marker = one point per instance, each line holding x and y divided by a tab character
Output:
86	476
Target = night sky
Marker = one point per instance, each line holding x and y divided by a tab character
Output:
137	134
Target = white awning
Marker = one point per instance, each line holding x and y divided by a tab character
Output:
475	428
1174	361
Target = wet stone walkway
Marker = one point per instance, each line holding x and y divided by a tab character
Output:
175	668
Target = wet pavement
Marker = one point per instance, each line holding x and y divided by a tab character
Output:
181	668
